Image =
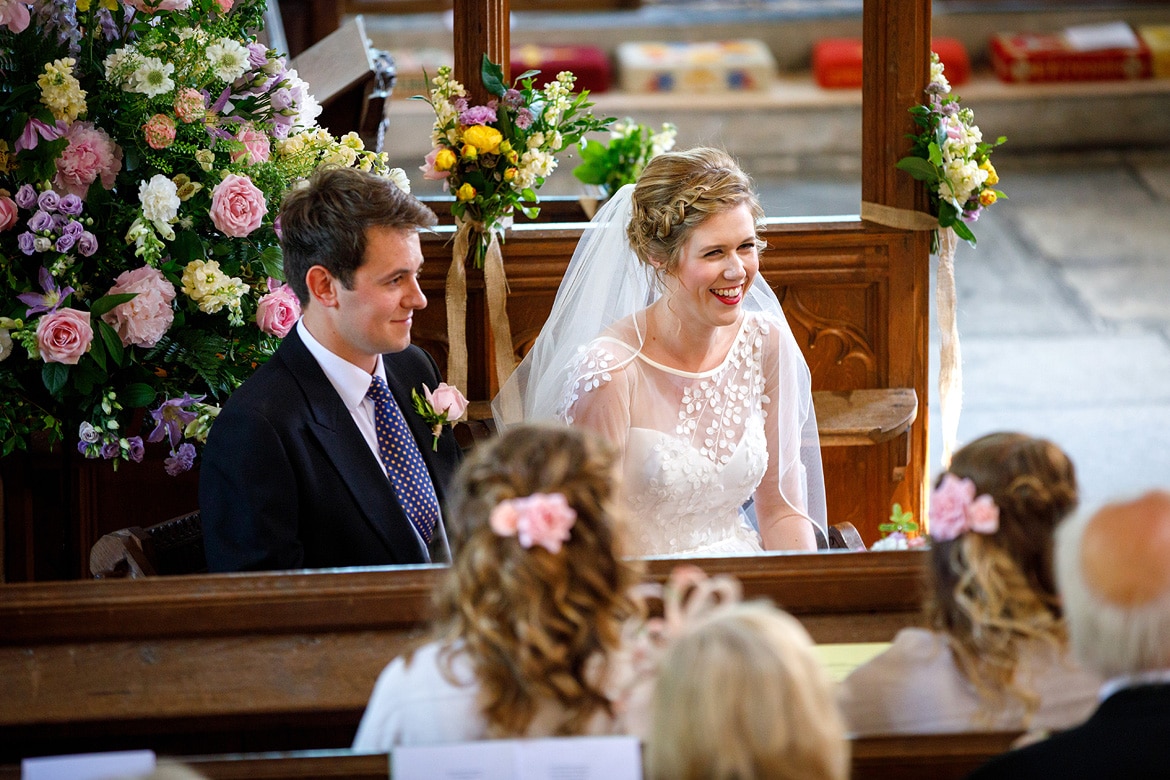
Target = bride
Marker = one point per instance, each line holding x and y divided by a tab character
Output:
665	339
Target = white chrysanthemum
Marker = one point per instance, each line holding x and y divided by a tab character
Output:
398	176
160	203
152	77
228	59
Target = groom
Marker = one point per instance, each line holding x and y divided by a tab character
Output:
316	461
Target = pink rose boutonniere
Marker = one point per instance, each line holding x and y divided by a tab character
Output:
445	405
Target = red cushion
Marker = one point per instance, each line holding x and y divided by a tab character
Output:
588	63
837	61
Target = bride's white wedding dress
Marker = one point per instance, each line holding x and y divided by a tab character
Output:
693	446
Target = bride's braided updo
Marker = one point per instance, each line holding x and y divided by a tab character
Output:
676	193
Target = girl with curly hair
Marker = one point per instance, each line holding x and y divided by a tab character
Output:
995	655
530	615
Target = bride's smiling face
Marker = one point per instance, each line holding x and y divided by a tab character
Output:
715	269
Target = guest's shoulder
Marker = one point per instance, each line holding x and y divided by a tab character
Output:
912	649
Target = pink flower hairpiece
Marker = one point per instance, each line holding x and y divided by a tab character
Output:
541	518
954	510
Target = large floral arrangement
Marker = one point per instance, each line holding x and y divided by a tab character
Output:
951	157
494	157
613	164
145	147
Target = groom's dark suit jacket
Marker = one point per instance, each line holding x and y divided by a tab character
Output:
1124	738
288	482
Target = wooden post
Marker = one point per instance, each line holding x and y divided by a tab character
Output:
896	44
481	27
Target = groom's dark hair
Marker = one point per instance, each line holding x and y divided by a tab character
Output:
325	222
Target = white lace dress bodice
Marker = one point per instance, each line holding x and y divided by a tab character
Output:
694	446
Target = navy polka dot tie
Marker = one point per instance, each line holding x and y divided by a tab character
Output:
403	462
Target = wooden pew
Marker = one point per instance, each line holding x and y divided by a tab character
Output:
917	757
246	663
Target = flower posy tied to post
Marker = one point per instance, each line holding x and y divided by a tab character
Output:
445	405
493	158
951	157
145	147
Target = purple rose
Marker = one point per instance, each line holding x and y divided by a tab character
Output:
110	450
70	204
280	99
26	196
181	460
136	448
72	228
87	244
49	200
27	243
65	242
257	55
41	221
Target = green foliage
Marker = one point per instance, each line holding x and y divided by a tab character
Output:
612	165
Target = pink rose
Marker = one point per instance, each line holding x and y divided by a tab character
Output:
446	399
237	206
14	15
256	146
543	519
954	510
278	311
143	320
224	5
64	336
7	212
90	154
150	6
159	131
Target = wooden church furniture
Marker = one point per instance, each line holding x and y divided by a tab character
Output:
253	662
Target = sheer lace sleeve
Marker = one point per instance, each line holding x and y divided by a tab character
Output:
793	484
598	393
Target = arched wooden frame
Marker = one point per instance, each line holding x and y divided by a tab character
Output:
171	662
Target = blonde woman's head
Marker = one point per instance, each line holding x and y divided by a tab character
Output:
535	623
742	696
677	192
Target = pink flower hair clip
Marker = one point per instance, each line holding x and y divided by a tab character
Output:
541	518
954	510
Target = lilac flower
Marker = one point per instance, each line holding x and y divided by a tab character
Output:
41	222
70	204
110	449
257	55
49	200
107	23
972	215
136	449
478	115
87	433
87	449
280	99
460	104
524	119
87	244
72	228
27	242
172	417
26	196
35	130
513	98
52	297
65	242
181	460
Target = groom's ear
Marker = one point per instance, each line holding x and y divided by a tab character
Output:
322	286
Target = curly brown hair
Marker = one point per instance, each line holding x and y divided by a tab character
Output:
677	192
990	593
536	626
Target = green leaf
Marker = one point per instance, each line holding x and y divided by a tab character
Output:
918	168
272	261
935	155
137	395
112	341
528	74
98	352
187	246
493	77
963	232
55	375
107	302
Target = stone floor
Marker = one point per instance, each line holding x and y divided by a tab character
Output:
1063	308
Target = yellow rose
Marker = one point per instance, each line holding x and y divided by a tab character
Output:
466	192
469	152
485	139
445	160
987	197
509	174
992	176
